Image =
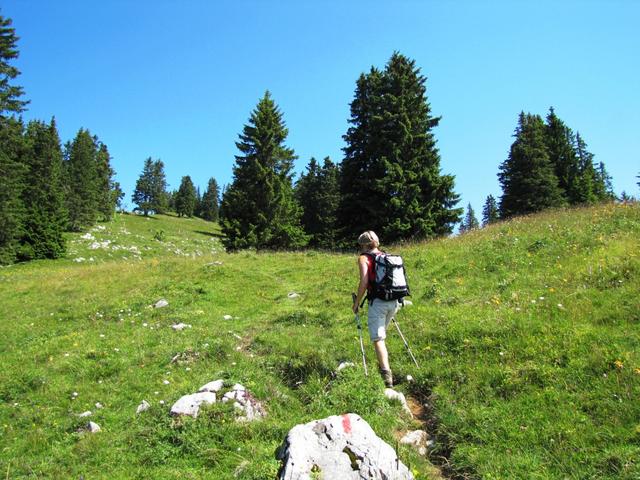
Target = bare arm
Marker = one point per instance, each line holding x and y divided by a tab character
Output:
363	270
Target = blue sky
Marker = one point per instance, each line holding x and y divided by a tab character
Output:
177	80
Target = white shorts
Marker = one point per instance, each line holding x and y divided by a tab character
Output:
380	314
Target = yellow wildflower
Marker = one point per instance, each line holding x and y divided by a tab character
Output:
618	364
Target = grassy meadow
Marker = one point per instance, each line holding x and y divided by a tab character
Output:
527	334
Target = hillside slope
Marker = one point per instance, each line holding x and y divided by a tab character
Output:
527	335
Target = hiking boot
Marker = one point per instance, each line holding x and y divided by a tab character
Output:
387	377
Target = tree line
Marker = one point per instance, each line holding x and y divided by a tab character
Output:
45	188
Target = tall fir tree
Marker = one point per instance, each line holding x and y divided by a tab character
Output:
638	177
81	179
390	178
186	198
318	193
12	184
528	179
490	211
258	208
150	193
12	146
43	197
469	222
604	183
560	143
10	95
588	189
210	209
105	185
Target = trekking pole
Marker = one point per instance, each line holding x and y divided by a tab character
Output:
364	361
395	322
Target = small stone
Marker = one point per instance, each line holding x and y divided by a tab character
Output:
417	439
161	303
190	404
214	386
180	326
143	407
166	382
228	317
293	295
393	395
99	405
344	365
85	414
93	427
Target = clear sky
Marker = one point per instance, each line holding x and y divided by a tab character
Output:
177	80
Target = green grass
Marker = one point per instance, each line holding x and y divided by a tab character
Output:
527	334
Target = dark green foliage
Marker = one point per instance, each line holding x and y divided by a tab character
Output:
604	185
258	208
45	215
9	94
150	192
106	190
469	222
562	155
390	177
81	179
12	173
186	198
490	211
317	192
210	204
528	178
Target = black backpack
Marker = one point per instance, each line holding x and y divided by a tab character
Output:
389	279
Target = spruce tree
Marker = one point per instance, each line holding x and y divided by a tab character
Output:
186	198
12	184
105	185
490	211
318	194
45	215
258	208
210	209
562	155
604	189
10	101
150	193
390	178
81	172
528	179
588	189
469	222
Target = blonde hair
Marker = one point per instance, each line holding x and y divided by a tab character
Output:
368	240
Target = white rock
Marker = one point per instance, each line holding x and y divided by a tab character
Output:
166	382
143	407
238	387
180	326
293	295
344	365
393	395
407	303
161	303
214	386
417	439
93	427
99	405
228	317
190	404
338	447
85	414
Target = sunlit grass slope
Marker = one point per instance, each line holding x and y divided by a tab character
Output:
527	335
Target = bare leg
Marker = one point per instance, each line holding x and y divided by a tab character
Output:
381	353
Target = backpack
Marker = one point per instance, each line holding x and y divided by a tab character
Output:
387	277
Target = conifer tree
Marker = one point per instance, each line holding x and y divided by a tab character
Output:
258	208
12	184
45	215
211	202
186	198
490	211
81	178
390	178
638	177
317	192
105	185
588	188
469	222
528	179
562	155
150	192
10	101
604	189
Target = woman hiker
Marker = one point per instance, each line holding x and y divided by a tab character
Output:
380	311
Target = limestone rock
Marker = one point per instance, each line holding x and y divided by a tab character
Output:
190	404
393	395
250	408
344	365
85	414
180	326
93	427
214	386
143	407
341	447
293	295
161	303
417	439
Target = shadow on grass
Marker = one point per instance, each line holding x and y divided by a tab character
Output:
209	234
